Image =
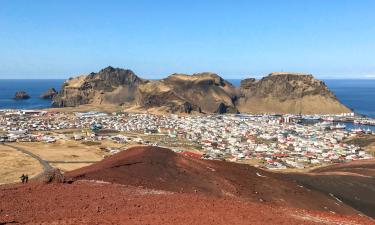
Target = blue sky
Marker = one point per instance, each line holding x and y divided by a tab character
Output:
236	39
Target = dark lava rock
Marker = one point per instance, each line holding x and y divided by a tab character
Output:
221	109
21	95
49	94
187	107
52	176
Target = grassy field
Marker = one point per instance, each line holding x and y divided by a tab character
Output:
14	164
63	151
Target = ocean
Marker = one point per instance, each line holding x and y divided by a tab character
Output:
358	95
34	88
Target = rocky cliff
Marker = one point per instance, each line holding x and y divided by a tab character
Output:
108	86
288	93
202	92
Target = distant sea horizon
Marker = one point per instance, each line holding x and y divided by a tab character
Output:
357	94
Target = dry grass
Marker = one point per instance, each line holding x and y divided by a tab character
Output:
63	151
14	164
305	105
89	107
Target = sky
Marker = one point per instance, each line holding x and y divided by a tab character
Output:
236	39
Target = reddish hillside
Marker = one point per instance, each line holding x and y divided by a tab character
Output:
162	169
86	202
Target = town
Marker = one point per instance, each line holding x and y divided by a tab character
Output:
269	141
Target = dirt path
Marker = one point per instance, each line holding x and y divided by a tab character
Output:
45	164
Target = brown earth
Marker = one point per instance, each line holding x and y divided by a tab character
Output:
352	183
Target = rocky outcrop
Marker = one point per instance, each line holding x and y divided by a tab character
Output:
21	95
178	93
108	86
49	94
288	93
204	91
201	92
247	83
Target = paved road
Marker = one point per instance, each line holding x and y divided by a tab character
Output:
44	163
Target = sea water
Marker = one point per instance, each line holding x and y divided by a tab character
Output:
34	88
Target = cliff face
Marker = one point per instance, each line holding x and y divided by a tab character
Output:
205	92
202	92
288	93
108	86
49	94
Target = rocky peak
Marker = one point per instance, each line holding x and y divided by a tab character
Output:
108	78
286	86
247	83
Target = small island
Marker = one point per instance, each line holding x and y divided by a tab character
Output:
21	95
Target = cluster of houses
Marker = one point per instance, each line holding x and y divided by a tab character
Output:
276	142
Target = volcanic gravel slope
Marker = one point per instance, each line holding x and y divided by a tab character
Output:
148	185
89	202
353	183
162	169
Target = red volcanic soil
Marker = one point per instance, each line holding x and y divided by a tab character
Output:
162	169
148	185
85	202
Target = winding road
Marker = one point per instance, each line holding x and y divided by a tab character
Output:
46	164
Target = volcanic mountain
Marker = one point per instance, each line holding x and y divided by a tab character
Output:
205	92
288	93
108	86
202	92
150	185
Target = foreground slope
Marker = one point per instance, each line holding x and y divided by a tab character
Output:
162	169
149	185
353	183
87	202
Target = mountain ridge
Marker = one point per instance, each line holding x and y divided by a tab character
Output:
206	92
